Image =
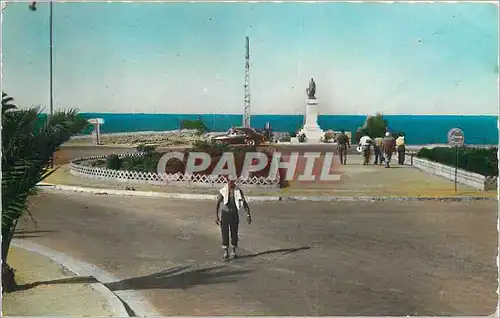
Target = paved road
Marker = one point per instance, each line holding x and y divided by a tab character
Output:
299	258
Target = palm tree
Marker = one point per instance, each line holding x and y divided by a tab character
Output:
7	103
27	148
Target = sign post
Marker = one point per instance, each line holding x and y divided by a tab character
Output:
97	122
456	139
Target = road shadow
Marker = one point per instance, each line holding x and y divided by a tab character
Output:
180	278
283	251
26	234
69	280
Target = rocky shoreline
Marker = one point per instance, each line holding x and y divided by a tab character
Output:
161	139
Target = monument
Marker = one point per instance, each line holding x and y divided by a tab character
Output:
311	128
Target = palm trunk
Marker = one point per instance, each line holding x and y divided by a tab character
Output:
8	276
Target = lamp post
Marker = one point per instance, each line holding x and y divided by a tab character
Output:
32	7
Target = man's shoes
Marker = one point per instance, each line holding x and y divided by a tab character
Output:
233	253
226	255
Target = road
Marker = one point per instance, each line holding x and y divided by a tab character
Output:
384	258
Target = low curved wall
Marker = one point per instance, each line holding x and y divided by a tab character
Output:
471	179
79	168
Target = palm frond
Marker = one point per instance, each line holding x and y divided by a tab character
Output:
7	103
27	149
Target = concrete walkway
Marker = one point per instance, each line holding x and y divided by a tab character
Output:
48	289
357	180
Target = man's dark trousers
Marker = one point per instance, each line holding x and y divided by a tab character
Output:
366	154
343	154
229	223
401	155
378	155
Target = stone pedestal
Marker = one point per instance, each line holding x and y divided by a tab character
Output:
311	128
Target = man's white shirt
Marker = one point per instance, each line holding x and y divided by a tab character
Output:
365	141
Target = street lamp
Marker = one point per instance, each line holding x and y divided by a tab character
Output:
32	7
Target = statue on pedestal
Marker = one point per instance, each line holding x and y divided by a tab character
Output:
311	90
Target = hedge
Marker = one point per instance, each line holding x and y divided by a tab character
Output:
148	161
483	161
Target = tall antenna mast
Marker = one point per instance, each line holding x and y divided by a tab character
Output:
246	114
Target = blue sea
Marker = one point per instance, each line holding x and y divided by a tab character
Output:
418	129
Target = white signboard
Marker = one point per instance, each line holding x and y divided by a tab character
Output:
456	137
94	121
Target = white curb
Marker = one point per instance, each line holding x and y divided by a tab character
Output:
187	196
191	196
135	301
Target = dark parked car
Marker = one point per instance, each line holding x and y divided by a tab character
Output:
242	136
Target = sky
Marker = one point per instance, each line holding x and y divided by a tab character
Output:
400	58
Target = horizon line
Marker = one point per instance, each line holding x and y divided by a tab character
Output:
274	114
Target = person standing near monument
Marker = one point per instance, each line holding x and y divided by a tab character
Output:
229	203
388	148
343	143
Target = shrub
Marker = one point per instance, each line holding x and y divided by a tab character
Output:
358	134
218	148
147	162
145	148
211	147
239	158
285	138
483	161
98	163
130	163
374	126
194	125
113	162
328	136
302	137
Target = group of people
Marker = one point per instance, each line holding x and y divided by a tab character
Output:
383	149
231	199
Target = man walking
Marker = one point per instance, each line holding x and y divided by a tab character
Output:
229	202
388	148
343	143
400	144
365	143
377	149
